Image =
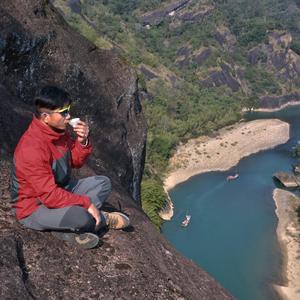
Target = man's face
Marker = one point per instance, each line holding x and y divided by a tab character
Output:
58	118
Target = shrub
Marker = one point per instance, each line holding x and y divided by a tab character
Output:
153	199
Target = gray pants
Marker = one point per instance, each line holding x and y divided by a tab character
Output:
72	218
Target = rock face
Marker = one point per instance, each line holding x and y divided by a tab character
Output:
37	47
75	5
195	13
275	56
225	74
186	58
183	11
273	102
225	38
147	72
284	63
222	77
157	16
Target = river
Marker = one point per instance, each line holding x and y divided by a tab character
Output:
232	233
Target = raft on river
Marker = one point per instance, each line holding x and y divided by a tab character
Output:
186	221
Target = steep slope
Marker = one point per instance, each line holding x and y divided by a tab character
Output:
38	47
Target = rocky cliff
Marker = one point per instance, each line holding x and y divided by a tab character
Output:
38	47
277	85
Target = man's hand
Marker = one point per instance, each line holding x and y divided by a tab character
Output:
95	213
82	131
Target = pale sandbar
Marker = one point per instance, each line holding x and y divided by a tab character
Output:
288	231
222	152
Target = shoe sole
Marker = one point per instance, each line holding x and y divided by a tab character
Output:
84	240
127	223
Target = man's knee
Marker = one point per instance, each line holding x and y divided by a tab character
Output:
87	223
79	219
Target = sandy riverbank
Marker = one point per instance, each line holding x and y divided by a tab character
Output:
224	151
288	234
168	211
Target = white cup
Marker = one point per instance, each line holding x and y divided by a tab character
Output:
74	121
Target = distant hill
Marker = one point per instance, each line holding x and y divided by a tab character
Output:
199	62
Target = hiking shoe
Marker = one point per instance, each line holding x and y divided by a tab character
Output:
116	220
85	240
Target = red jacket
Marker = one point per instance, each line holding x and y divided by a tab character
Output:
42	167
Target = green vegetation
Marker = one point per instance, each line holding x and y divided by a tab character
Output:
185	107
296	46
261	81
153	200
296	151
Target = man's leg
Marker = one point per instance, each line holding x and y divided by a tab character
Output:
72	224
70	218
96	187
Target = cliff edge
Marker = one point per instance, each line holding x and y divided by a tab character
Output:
38	47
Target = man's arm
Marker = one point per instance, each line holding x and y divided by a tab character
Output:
34	167
81	148
79	153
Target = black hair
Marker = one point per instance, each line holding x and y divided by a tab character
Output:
52	97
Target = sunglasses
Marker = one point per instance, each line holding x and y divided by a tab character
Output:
64	112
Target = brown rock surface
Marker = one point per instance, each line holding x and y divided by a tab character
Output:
278	102
279	59
222	77
37	47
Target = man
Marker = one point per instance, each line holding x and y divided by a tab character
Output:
44	196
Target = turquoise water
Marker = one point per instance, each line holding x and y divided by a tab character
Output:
232	233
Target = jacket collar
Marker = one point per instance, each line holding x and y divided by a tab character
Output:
44	131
